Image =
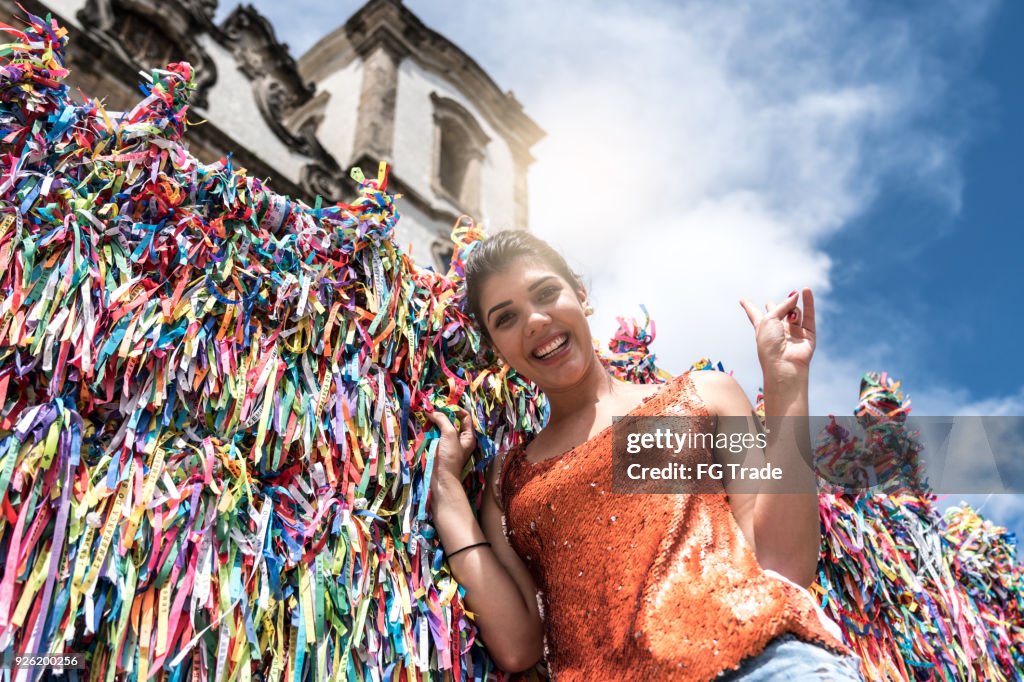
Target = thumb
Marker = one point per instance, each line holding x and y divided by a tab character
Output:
466	434
441	421
752	313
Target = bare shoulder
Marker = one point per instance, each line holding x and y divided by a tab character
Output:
712	380
720	392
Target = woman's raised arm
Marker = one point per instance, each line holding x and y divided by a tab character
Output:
786	523
499	589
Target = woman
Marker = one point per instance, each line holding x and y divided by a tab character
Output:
614	586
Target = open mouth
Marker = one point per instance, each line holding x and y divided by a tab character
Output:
552	348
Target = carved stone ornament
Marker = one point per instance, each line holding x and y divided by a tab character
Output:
316	180
150	34
279	91
276	84
203	8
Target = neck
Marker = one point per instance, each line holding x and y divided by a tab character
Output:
570	401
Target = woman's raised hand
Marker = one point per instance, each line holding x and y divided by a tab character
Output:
455	447
785	337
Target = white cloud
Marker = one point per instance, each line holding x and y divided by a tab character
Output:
944	400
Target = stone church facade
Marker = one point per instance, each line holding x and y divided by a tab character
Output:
382	86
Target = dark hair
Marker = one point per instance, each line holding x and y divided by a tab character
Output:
496	253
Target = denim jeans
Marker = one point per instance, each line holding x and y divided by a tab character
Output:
793	660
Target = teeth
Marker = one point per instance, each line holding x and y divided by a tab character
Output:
551	347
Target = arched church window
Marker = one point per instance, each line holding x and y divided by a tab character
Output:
456	153
459	151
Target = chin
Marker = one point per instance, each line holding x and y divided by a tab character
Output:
563	375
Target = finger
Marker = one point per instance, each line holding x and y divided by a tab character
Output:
752	314
782	310
808	322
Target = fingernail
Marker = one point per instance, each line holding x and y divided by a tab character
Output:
791	293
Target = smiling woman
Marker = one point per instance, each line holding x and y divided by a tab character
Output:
684	586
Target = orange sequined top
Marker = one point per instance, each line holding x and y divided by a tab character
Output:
644	586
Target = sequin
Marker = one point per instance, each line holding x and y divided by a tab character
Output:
682	597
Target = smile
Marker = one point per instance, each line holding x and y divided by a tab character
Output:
549	349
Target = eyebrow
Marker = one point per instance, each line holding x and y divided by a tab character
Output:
530	288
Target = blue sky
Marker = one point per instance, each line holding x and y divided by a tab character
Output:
958	271
870	150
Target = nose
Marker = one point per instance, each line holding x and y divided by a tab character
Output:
535	322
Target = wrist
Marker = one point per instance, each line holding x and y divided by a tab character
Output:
785	398
786	379
444	483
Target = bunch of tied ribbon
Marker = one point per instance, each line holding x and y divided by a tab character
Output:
918	596
629	355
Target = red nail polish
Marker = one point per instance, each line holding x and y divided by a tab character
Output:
791	293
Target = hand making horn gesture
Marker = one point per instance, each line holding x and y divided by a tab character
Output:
785	337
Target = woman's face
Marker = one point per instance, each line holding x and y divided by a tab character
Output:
537	324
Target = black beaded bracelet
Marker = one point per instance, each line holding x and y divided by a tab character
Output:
479	544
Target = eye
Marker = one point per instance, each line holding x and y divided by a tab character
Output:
547	292
504	317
